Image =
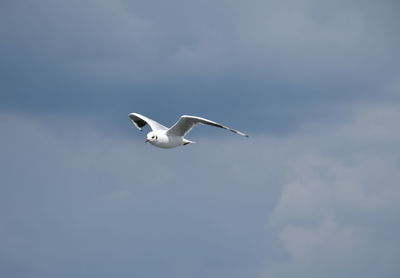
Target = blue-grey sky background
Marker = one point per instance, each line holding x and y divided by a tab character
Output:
314	191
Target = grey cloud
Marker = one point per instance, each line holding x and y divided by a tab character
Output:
341	196
323	198
107	206
100	58
80	188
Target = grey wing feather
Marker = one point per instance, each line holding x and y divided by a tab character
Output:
140	121
186	123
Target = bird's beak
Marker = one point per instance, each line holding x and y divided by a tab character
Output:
147	140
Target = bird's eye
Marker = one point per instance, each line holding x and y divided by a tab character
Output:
152	137
156	137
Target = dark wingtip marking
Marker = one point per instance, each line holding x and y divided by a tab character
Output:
138	121
238	132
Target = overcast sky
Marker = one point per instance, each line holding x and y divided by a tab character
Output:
313	192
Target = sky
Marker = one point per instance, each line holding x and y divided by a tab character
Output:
313	192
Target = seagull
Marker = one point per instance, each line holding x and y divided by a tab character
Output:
172	137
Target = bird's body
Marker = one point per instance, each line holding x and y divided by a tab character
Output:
166	142
167	138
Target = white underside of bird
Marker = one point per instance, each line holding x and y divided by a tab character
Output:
172	137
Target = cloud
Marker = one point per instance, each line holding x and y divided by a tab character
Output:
319	41
211	58
131	42
313	191
323	198
340	194
311	244
72	195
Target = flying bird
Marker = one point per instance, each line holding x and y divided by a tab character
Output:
172	137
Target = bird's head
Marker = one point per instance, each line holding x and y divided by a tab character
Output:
151	137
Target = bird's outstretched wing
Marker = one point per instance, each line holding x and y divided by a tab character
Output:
140	121
186	123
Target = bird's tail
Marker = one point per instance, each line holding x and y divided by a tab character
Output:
185	142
